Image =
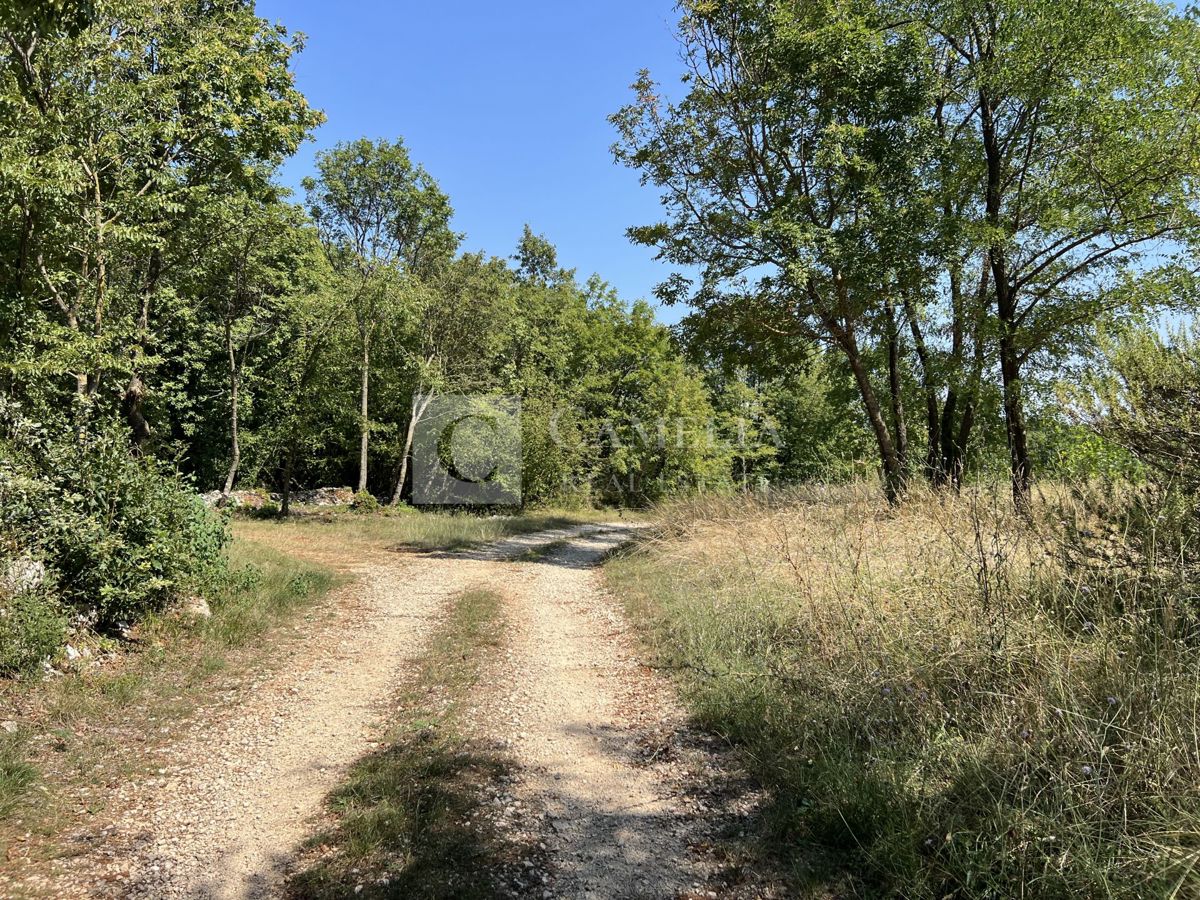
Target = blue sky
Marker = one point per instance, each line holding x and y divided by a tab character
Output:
505	104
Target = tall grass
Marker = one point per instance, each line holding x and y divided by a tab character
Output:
937	700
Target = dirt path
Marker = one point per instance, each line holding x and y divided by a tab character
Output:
577	710
578	701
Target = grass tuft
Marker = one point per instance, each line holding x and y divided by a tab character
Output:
17	776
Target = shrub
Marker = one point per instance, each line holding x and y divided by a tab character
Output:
121	536
364	502
32	627
1140	539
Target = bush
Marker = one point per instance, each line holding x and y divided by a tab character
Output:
1141	538
32	628
364	502
120	536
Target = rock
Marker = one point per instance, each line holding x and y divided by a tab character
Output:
191	609
196	608
21	575
326	496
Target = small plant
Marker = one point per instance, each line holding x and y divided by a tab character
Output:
33	627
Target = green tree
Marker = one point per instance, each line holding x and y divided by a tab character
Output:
777	169
1076	143
381	219
121	122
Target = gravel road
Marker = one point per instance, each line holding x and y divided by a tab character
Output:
243	789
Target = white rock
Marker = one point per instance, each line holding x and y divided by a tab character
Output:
21	575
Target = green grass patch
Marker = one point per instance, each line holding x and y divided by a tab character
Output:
408	820
424	531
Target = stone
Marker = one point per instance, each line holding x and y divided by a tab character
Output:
21	575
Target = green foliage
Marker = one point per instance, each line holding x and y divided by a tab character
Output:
891	180
121	536
1137	538
32	628
364	502
374	207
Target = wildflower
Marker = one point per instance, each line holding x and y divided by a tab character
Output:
1024	734
886	690
1085	769
1112	701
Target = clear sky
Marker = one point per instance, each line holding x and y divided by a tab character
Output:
505	104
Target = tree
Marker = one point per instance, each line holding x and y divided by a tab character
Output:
381	219
122	121
456	321
1076	142
250	276
777	169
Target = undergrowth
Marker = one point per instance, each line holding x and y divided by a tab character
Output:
938	697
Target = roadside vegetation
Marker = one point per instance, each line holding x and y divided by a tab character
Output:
948	696
100	720
940	698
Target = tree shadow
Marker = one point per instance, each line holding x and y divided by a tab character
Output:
413	821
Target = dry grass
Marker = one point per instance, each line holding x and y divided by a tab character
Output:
931	693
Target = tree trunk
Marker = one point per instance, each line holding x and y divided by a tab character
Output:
896	386
935	470
235	450
420	404
893	471
135	391
1006	310
289	461
1014	412
363	411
